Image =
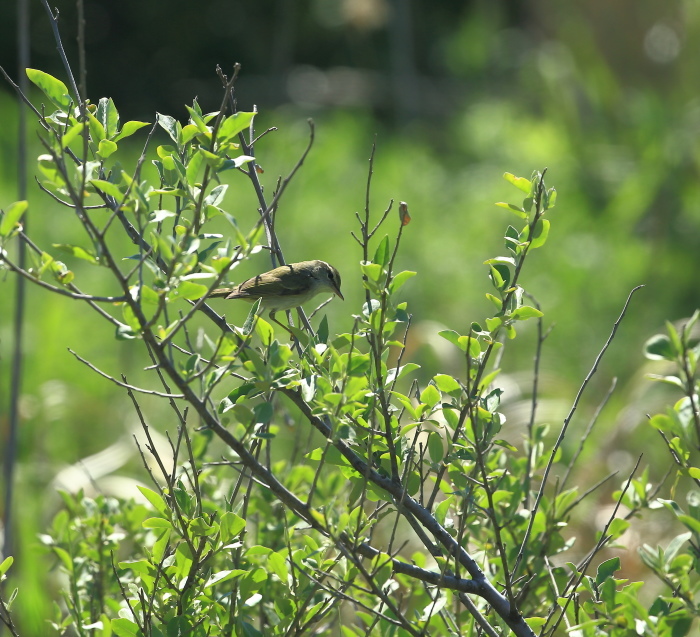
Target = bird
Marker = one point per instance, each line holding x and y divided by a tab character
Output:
287	286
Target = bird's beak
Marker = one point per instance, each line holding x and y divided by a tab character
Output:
337	291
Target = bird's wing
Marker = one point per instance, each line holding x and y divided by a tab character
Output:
274	284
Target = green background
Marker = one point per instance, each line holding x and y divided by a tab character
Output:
605	97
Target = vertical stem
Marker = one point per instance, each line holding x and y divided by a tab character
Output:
17	353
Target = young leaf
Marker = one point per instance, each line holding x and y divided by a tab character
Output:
106	148
11	216
430	396
71	134
248	325
519	182
381	256
540	235
168	124
53	88
446	383
398	280
129	129
77	251
234	124
108	115
526	312
659	347
516	209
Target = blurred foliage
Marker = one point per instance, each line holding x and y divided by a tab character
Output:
603	95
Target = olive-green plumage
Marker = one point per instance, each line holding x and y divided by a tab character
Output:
287	286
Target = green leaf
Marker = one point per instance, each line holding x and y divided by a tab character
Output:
231	525
606	570
675	545
263	413
234	124
108	115
6	564
193	167
157	523
519	182
106	148
197	120
278	565
446	383
53	88
526	312
670	380
155	499
541	234
516	209
501	260
235	162
64	557
471	345
97	131
169	124
381	256
129	129
398	280
123	627
157	216
264	331
11	217
72	134
688	327
430	396
550	198
216	196
436	448
442	509
198	526
248	325
617	527
659	347
373	271
78	252
323	331
451	336
674	337
223	576
690	523
190	291
358	364
495	300
395	373
108	188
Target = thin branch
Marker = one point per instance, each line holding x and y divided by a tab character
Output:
78	296
53	19
141	390
565	427
586	434
604	539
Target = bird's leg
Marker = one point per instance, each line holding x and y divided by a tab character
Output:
282	325
295	341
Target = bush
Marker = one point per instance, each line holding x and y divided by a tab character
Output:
308	484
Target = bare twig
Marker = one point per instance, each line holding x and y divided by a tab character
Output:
565	427
140	390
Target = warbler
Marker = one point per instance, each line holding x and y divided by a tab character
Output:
287	286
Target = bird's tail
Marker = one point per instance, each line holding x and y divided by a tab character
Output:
220	292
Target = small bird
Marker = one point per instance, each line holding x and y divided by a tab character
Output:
286	287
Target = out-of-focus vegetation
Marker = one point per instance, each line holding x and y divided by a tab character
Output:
604	96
